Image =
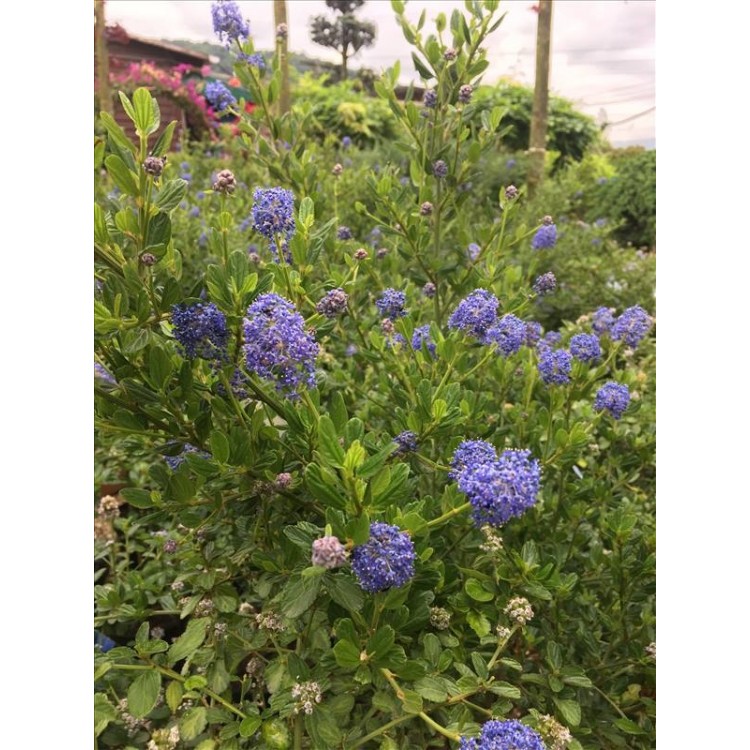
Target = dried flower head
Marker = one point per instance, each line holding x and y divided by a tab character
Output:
360	254
519	610
511	192
307	694
426	209
337	170
204	607
554	734
464	93
154	165
269	621
328	552
109	507
225	182
282	31
440	618
493	542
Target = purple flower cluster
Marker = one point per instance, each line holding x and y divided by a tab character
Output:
612	397
440	169
473	250
464	93
201	330
533	333
328	552
421	336
391	303
273	217
430	98
585	347
174	462
406	442
475	314
545	237
256	60
104	375
497	488
602	320
344	233
545	284
503	735
277	346
386	560
509	333
219	96
229	24
333	304
631	326
554	366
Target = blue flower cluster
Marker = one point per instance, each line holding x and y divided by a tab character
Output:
256	60
273	217
440	169
473	250
470	453
475	314
344	233
229	24
509	333
174	462
504	735
201	330
554	366
545	284
497	488
406	442
333	303
545	237
219	96
585	347
421	336
391	303
386	560
631	326
103	374
602	320
277	346
612	397
430	98
533	333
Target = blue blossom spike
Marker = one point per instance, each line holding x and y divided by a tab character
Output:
554	366
585	347
391	303
533	333
632	326
228	22
471	453
277	346
602	320
273	217
501	489
545	284
612	397
421	336
475	314
386	560
503	735
201	330
406	442
174	462
545	237
219	96
509	334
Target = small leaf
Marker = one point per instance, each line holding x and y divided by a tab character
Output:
174	694
121	175
328	442
347	655
189	641
476	591
171	194
143	692
569	710
193	723
136	497
250	725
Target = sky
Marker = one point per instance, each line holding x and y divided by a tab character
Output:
603	51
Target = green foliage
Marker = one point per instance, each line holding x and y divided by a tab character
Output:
204	576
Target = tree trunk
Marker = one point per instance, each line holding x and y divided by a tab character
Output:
102	58
538	139
282	46
344	57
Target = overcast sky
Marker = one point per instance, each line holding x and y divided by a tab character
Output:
602	50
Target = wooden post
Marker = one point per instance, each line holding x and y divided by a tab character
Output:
538	136
102	58
282	45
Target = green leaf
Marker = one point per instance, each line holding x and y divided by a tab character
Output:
323	729
219	444
372	465
170	195
143	692
189	641
578	681
146	112
345	592
160	367
298	595
162	145
127	106
380	643
480	666
323	485
193	723
358	529
159	232
116	133
346	655
412	702
137	498
355	456
174	695
121	175
554	656
250	725
476	591
431	689
629	727
421	67
569	710
328	443
307	212
505	690
478	623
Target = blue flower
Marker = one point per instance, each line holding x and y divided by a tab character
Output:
256	60
475	314
421	336
430	98
612	397
346	141
501	489
533	333
273	217
509	334
174	462
471	453
391	304
201	330
229	24
277	345
602	320
386	560
545	237
545	284
631	326
440	169
333	304
554	366
473	250
585	347
344	233
406	442
503	735
219	96
104	375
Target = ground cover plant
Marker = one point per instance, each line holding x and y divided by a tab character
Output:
349	492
